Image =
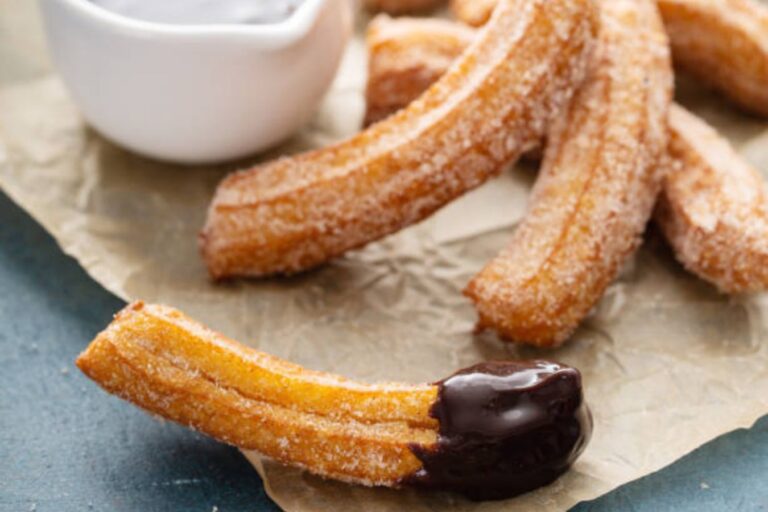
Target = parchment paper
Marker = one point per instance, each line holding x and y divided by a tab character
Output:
668	363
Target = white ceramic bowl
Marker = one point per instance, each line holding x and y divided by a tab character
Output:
196	93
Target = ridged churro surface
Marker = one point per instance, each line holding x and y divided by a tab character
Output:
598	183
494	103
714	208
723	43
168	364
405	57
713	205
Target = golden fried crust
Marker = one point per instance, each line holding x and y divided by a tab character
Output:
724	43
166	363
472	12
405	57
599	180
396	7
714	208
496	101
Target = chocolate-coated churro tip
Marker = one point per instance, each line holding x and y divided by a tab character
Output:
505	428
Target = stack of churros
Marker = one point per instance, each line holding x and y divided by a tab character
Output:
712	207
724	43
450	106
493	104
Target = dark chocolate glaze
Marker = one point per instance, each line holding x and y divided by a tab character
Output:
505	428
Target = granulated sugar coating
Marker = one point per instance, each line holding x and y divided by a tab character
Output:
472	12
495	102
170	365
724	44
714	209
528	422
598	183
405	57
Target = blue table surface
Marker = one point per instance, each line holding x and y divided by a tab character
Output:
67	446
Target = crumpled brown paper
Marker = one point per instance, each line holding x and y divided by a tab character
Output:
668	363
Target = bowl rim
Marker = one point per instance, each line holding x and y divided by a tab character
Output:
268	34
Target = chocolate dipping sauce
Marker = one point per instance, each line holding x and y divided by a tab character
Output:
505	428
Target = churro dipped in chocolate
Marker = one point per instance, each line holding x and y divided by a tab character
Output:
490	431
493	104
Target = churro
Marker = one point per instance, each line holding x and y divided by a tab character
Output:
598	183
714	208
495	102
724	43
474	13
713	204
492	430
405	57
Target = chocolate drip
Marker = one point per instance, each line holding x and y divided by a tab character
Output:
505	428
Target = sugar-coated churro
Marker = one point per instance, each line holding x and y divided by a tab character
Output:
722	42
493	104
599	180
405	57
492	430
714	208
713	204
472	12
